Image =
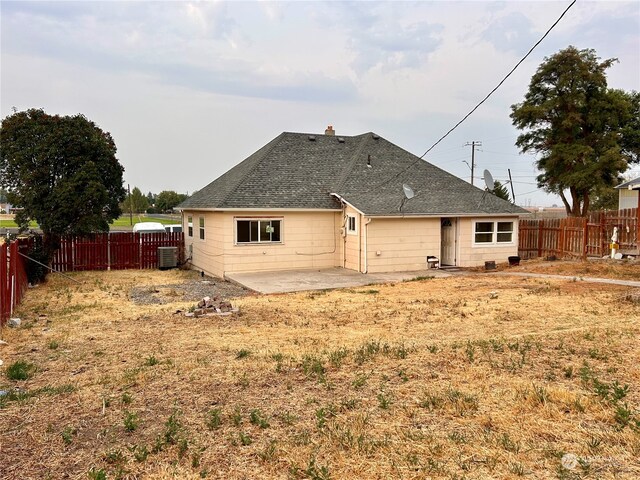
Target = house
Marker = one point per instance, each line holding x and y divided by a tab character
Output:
628	194
306	201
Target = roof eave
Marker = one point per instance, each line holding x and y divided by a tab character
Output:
257	209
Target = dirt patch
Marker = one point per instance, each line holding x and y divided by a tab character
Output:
476	376
191	290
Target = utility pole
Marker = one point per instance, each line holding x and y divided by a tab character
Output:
473	144
513	193
130	205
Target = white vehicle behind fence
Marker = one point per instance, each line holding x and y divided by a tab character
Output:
148	227
177	228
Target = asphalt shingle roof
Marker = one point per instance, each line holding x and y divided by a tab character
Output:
633	183
293	171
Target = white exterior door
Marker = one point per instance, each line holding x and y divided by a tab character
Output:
448	241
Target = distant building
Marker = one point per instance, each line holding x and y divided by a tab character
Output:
628	193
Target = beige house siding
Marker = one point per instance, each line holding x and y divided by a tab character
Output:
470	255
206	255
403	244
627	198
309	240
320	239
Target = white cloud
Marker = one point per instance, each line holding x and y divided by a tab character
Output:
206	83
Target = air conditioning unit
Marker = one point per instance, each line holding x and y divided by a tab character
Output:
167	257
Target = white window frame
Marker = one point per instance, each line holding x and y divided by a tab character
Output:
351	219
190	226
494	233
258	219
201	228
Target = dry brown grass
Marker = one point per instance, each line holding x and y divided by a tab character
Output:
465	377
594	267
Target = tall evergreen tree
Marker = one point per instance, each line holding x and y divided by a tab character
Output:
585	134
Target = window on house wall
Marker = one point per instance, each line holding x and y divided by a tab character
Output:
190	225
493	232
258	231
484	232
351	224
505	232
201	228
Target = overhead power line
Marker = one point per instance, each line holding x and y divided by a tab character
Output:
503	80
490	93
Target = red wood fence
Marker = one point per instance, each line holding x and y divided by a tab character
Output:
13	278
114	251
580	237
101	251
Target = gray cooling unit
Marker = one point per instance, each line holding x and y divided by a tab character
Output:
167	257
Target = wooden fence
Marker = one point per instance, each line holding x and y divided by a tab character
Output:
103	251
13	278
114	251
579	237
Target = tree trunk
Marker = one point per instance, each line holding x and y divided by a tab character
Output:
585	205
566	203
575	199
51	243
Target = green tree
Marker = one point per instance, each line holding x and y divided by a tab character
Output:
168	199
585	134
604	198
500	191
135	202
62	170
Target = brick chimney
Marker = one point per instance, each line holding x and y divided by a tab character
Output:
330	131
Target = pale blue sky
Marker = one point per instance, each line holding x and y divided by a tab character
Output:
189	89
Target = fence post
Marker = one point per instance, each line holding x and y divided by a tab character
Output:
108	251
638	225
603	235
585	239
4	298
540	237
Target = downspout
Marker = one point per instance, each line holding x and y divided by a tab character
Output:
366	262
359	244
343	233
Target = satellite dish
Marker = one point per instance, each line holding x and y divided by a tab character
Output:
488	180
408	191
408	195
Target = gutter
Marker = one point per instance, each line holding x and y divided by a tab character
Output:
454	215
344	202
366	260
257	209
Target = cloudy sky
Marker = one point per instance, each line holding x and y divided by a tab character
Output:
189	89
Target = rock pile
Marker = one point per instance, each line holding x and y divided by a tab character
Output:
212	306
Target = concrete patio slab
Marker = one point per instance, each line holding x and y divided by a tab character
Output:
301	280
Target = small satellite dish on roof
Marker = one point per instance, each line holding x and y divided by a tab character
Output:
408	195
408	191
488	180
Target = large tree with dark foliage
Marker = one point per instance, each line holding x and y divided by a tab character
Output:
584	133
168	199
63	172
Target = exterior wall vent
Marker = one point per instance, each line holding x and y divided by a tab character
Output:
167	257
